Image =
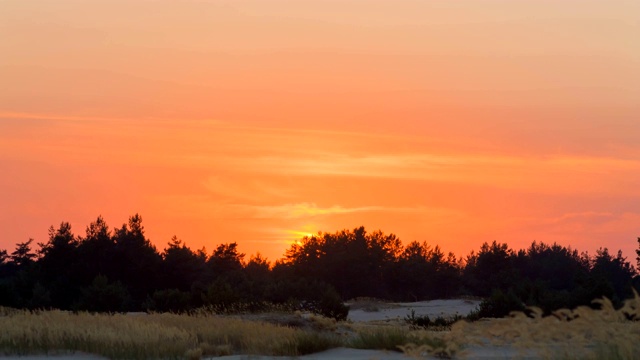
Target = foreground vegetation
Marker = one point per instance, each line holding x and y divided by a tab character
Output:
582	333
173	336
121	336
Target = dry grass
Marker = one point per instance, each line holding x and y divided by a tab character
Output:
152	336
582	333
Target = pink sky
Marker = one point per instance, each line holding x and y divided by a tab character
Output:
451	122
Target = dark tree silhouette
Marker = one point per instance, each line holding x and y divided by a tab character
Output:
97	252
616	271
121	270
426	273
492	268
181	266
225	262
137	261
23	254
258	276
59	268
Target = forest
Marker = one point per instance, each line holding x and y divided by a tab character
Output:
120	270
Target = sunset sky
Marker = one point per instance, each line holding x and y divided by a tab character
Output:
451	122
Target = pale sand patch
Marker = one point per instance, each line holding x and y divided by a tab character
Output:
398	311
333	354
71	356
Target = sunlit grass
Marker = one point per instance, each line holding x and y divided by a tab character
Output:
581	333
152	336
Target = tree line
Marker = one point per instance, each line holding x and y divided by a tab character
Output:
119	269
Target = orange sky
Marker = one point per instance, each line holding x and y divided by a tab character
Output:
452	122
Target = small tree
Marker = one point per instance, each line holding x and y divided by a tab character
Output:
23	255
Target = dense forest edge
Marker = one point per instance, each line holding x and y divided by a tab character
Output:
120	270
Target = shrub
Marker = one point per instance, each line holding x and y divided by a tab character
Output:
331	306
220	294
424	322
103	296
170	300
500	305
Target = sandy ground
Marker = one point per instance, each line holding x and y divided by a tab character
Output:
487	353
76	356
479	353
337	354
398	311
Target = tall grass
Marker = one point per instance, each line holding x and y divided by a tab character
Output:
581	333
401	339
152	336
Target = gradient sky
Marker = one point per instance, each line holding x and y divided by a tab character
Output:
451	122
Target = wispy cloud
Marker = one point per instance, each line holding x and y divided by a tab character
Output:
206	206
301	210
564	173
592	217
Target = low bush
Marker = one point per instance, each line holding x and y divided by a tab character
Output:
425	322
500	304
170	300
332	306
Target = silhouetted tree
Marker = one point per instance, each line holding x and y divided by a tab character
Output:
4	257
59	266
347	260
181	266
5	267
423	272
137	260
121	270
19	276
225	262
258	276
616	271
492	268
551	276
97	252
23	255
